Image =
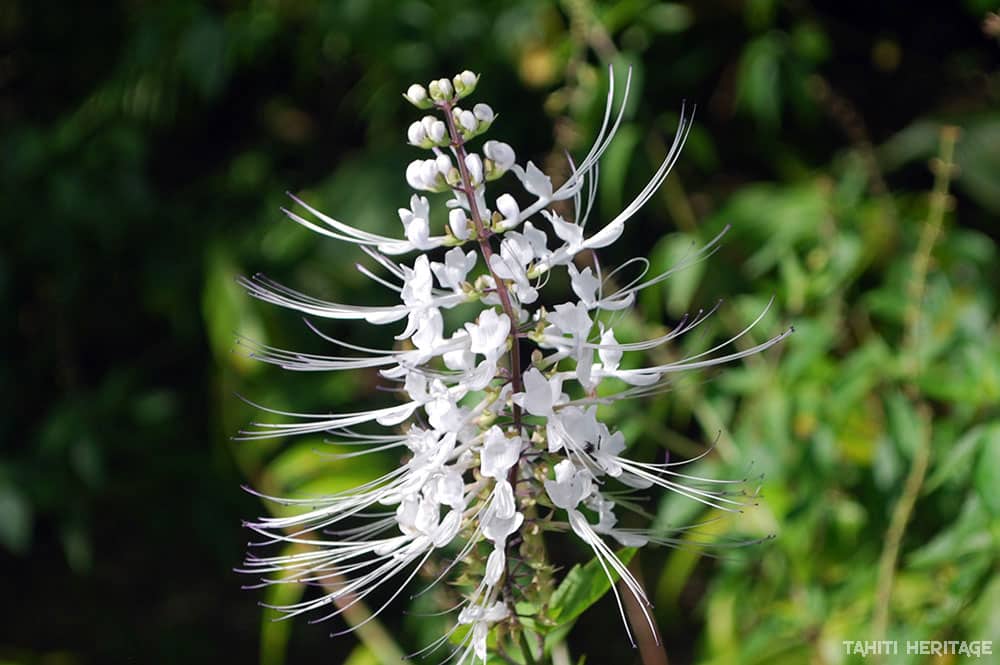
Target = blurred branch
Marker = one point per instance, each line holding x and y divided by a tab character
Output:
844	113
651	651
943	168
586	29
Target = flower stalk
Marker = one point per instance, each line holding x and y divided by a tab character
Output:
493	458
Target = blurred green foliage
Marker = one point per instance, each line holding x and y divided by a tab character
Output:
146	151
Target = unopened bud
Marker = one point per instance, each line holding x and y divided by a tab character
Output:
501	154
417	95
468	121
437	132
441	90
443	163
414	174
416	134
483	113
474	163
510	210
465	83
459	223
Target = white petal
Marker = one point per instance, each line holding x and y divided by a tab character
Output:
537	182
488	335
501	154
610	356
497	529
504	506
468	120
511	212
584	284
499	453
495	565
537	396
459	223
483	112
475	165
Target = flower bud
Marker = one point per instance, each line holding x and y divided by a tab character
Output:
443	163
459	223
468	121
483	113
429	172
414	174
465	83
416	134
507	206
502	156
417	95
475	165
441	90
438	132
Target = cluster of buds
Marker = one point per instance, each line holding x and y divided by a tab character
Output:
498	427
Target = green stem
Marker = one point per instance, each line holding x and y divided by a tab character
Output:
943	168
529	657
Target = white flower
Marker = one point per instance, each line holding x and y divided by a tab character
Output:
584	284
570	487
490	416
501	154
455	268
499	454
497	529
540	394
536	182
416	223
511	212
489	334
571	318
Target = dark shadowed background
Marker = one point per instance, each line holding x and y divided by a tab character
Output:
145	152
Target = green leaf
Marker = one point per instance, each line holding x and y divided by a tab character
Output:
229	312
968	534
978	155
15	520
362	655
274	631
985	616
987	479
582	587
904	424
759	82
958	463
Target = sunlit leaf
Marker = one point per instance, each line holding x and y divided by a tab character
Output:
582	587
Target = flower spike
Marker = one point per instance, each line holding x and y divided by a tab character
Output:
492	438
